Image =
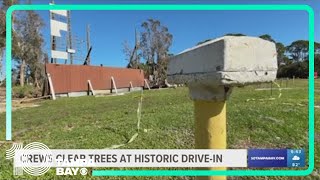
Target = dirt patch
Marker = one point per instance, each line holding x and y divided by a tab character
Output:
17	105
20	103
317	137
275	88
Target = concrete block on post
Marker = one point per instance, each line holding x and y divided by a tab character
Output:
210	71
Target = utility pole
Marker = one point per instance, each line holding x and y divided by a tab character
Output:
69	38
137	42
134	60
88	44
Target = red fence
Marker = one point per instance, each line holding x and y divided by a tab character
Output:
74	78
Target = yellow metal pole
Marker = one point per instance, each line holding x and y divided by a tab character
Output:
210	129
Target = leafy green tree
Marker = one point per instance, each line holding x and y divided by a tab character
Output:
3	8
204	41
281	50
299	50
299	66
317	63
228	34
154	45
267	37
30	43
2	28
235	34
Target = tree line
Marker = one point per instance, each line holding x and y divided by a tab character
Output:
28	55
151	51
293	60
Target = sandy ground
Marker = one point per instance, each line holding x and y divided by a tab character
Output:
16	103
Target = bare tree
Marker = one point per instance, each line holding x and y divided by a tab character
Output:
132	54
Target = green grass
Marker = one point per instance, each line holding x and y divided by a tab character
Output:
99	122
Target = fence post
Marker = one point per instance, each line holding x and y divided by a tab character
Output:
146	83
131	86
113	85
271	87
293	80
53	95
90	87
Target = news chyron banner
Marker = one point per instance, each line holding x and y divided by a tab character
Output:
38	159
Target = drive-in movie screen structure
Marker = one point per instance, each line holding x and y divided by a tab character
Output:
169	90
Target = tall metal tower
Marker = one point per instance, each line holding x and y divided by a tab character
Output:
88	43
60	26
70	50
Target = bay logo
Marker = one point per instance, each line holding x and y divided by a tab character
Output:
71	171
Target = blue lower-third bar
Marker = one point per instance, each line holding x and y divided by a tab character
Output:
276	158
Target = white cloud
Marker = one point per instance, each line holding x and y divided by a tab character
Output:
296	158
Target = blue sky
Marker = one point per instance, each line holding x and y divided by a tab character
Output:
109	29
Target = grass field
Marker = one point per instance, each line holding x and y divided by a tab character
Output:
167	123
